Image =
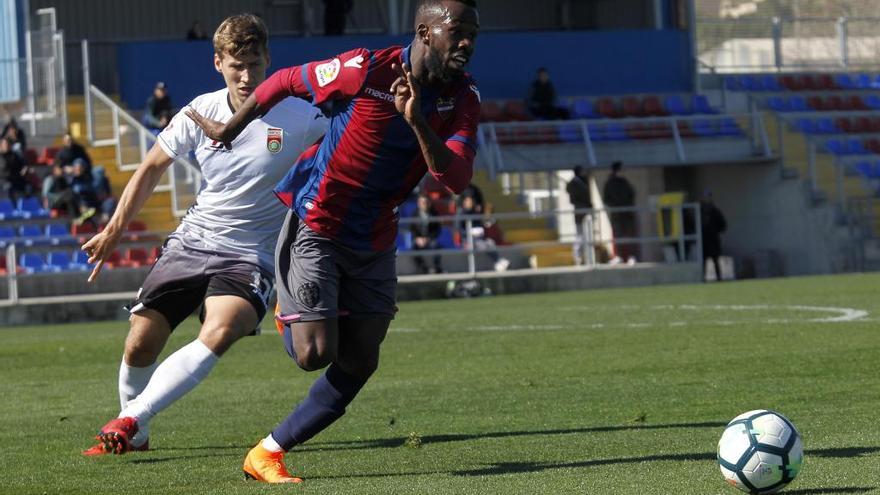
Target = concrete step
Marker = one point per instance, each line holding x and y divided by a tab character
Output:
550	256
529	235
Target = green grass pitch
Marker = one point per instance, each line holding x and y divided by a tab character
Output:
622	391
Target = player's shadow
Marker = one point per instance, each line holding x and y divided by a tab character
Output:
818	491
843	452
463	437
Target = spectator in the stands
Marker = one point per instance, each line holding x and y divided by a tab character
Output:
15	134
578	189
104	194
84	190
57	193
542	98
15	170
159	108
196	32
70	152
476	230
425	232
335	14
473	192
618	193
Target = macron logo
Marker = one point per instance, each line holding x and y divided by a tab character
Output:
375	93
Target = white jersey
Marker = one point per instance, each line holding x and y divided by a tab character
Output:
236	211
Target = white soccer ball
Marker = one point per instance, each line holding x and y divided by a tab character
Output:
760	452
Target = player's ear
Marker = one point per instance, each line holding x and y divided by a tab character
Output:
217	62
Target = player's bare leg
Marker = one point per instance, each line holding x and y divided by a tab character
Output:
227	319
353	360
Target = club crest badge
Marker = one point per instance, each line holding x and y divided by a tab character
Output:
326	73
274	139
445	106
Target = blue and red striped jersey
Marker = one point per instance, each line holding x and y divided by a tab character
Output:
348	186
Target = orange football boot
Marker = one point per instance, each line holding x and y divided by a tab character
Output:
99	449
116	435
262	465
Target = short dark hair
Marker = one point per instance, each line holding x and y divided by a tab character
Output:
616	166
577	170
424	4
542	69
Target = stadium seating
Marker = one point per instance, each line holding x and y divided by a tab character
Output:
446	240
58	234
47	157
32	235
31	208
31	263
135	258
80	260
59	261
155	252
3	266
8	210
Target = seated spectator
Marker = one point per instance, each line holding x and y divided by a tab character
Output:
196	32
425	232
479	233
70	152
15	171
159	108
542	98
104	194
84	191
475	194
15	135
57	193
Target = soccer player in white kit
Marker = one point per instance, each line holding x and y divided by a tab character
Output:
222	254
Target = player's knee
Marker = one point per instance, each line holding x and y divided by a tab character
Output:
220	337
362	368
312	356
140	352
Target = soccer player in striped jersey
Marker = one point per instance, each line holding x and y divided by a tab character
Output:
222	254
397	114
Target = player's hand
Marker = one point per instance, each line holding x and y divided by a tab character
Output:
213	129
407	94
99	248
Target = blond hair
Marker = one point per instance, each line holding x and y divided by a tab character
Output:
241	34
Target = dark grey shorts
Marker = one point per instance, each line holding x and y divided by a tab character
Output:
319	278
182	278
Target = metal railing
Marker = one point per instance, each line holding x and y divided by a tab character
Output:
108	124
594	141
782	44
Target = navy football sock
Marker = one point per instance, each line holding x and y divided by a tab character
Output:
326	402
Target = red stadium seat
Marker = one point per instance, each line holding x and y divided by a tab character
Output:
825	81
444	206
875	125
862	125
606	108
114	260
808	83
854	102
83	228
684	129
2	264
632	107
791	83
652	107
47	157
816	103
515	110
835	103
135	257
31	157
873	145
154	255
844	124
490	111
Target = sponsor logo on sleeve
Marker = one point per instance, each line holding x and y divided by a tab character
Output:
274	139
326	73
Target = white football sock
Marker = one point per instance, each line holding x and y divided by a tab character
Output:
177	375
271	445
132	381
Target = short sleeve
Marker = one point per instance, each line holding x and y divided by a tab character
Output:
179	136
467	120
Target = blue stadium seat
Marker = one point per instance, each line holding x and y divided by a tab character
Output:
675	105
806	126
58	234
836	147
799	104
866	169
826	126
404	240
863	81
58	262
608	132
701	105
770	83
7	210
32	235
31	263
7	236
855	146
571	134
731	83
750	83
582	108
844	81
31	208
873	101
445	240
704	128
729	127
408	208
778	104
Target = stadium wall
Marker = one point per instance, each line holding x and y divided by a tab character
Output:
580	62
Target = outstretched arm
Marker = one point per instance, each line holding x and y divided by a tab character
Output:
226	133
136	192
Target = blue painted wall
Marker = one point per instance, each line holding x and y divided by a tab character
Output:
580	62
